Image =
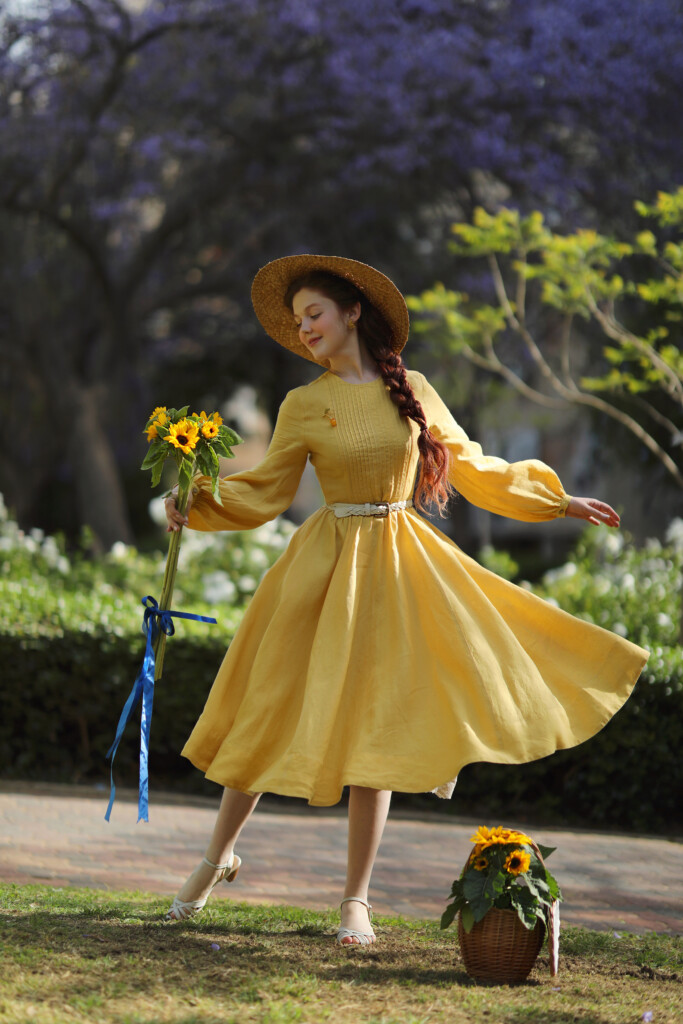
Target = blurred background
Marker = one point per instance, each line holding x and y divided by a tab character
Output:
154	155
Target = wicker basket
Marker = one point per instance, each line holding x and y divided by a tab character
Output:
499	948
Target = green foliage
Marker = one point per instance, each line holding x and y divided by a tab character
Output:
585	275
500	562
50	593
635	592
71	645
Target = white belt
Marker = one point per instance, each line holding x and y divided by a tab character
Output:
380	510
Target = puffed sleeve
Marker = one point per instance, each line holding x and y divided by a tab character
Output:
528	490
254	496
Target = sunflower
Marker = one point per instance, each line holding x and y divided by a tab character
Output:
517	862
480	864
488	836
209	430
183	435
159	419
205	417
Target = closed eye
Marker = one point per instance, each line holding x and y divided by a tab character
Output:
314	316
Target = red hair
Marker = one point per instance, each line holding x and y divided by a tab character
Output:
432	483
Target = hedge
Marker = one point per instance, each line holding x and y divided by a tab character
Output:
63	697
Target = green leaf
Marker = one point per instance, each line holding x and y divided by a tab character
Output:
526	906
185	474
155	453
212	460
451	910
546	850
203	462
456	888
219	445
229	436
538	887
179	414
553	887
157	470
481	889
216	490
467	918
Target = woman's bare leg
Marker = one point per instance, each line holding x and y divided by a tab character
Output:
234	812
368	810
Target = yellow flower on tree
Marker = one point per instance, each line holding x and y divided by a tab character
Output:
209	430
183	435
517	862
159	420
480	863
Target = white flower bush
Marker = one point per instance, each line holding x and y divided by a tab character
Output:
636	592
50	591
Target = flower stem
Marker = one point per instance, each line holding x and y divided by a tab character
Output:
169	579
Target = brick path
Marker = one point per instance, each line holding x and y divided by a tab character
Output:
56	835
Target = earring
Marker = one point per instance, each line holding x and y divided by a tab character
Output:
351	324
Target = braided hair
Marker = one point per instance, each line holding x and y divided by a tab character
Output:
432	484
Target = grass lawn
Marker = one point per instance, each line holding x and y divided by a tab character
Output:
88	955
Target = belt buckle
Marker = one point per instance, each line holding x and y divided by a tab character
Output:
384	505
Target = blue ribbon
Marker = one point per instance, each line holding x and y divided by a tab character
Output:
155	621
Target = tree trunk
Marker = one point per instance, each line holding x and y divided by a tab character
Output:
99	493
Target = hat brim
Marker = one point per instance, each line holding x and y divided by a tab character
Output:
272	281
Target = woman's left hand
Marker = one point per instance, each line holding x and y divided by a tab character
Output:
593	511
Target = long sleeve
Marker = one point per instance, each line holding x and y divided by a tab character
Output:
254	496
528	490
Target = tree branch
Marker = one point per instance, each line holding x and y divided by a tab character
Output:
673	383
217	284
513	322
494	365
565	352
657	416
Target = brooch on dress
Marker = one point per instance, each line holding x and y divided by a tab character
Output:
329	414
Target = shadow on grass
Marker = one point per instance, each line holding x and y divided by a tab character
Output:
244	955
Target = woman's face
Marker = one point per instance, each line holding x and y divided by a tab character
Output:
323	326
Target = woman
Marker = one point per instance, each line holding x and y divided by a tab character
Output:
375	654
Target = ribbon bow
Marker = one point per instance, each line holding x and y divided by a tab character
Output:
156	620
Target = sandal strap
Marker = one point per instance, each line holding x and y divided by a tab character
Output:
219	867
357	899
364	938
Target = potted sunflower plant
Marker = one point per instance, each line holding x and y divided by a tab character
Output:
506	900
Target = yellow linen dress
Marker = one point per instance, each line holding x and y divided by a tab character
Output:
375	652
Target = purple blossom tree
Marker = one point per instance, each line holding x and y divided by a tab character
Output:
153	156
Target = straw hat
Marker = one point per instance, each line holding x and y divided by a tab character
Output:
273	280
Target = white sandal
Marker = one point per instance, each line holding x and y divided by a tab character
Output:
181	909
364	938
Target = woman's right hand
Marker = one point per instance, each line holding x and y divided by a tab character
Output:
175	518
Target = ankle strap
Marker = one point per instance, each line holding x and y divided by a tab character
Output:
218	867
356	899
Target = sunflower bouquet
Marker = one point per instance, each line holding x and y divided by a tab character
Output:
194	441
505	870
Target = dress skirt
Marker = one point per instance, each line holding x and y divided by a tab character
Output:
375	652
